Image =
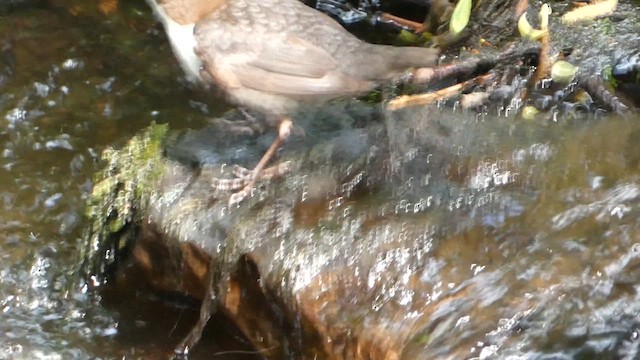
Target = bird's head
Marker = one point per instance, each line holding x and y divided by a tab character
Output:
188	11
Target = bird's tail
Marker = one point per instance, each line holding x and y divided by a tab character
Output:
411	56
385	62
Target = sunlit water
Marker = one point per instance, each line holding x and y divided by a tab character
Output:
74	79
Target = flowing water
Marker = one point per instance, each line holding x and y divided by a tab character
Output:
74	79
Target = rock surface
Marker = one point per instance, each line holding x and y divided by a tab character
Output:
376	246
421	233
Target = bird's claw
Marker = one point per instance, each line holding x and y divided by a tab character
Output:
237	197
244	180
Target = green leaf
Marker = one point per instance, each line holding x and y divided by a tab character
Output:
563	72
460	16
527	31
529	112
407	37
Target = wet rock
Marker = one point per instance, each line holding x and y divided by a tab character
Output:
433	235
337	260
309	225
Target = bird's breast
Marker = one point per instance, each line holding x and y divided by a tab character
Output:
182	40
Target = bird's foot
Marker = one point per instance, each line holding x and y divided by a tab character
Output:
247	178
244	181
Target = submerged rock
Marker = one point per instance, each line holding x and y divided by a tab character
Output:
431	236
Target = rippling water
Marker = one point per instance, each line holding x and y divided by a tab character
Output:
74	79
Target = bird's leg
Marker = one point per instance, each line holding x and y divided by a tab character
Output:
266	174
284	130
243	176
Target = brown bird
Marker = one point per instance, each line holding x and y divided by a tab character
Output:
275	56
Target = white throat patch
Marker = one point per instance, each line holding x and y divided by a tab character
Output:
182	41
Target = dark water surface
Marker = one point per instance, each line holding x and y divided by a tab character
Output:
75	78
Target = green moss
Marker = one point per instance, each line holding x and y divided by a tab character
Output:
607	74
374	97
121	194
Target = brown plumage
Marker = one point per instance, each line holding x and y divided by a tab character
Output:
276	55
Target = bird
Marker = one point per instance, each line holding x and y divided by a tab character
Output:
277	57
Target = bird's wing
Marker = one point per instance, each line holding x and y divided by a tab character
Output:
297	67
283	64
291	55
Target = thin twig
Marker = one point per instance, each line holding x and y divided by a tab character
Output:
590	12
519	9
429	98
402	22
468	66
230	352
596	87
542	71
